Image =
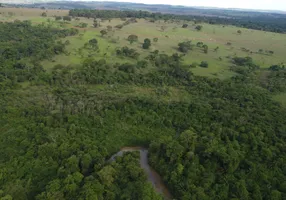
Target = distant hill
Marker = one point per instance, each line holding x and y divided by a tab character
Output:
127	6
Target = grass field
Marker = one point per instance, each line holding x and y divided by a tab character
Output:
173	33
281	98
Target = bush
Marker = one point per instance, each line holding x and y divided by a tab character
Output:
199	27
185	25
128	68
146	44
119	26
184	47
204	64
142	64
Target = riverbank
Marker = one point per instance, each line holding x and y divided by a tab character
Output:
152	175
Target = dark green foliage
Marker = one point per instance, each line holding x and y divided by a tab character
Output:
142	64
276	79
203	155
103	32
132	38
119	26
199	27
276	68
205	48
204	64
243	61
185	25
146	44
33	43
244	65
126	67
184	47
200	44
93	43
128	52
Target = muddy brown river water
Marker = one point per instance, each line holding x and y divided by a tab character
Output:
153	176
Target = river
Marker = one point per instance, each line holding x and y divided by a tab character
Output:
153	176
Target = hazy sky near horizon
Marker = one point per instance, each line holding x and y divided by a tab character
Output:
248	4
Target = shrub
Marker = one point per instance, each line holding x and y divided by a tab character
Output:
204	64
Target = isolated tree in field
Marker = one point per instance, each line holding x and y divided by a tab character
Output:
95	23
119	26
67	18
200	44
93	43
146	44
185	25
239	32
163	28
103	32
184	47
155	39
132	38
206	48
204	64
44	14
199	27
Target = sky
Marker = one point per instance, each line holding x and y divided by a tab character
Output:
248	4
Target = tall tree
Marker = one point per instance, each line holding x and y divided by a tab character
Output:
146	44
132	38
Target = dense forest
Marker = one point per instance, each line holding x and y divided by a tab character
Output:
273	22
58	129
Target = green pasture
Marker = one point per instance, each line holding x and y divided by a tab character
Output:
281	98
169	34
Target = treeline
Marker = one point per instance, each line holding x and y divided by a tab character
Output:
276	79
273	23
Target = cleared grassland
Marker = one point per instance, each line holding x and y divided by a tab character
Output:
281	98
169	34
